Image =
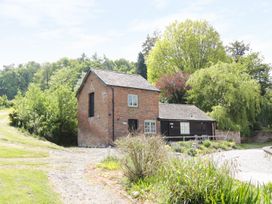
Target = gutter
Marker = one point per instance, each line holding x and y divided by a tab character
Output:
112	102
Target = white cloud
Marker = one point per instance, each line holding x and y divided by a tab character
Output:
159	4
37	12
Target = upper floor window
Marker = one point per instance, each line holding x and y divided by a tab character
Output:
91	104
132	100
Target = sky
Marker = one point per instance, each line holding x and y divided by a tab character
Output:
47	30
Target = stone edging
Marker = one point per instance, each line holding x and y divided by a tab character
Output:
268	149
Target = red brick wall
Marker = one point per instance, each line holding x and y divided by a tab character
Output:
148	109
97	131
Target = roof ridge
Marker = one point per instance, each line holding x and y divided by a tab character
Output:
114	71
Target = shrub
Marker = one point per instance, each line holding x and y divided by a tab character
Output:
207	143
143	155
109	163
4	102
200	181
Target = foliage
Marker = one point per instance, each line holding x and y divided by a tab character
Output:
109	163
237	49
254	66
51	114
194	148
173	87
143	155
4	102
200	181
232	97
149	43
141	66
186	46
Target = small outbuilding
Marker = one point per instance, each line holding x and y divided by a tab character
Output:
184	120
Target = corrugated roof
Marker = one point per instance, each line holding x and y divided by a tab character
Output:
182	112
113	78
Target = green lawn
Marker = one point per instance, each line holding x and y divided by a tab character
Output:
13	152
23	186
23	181
254	145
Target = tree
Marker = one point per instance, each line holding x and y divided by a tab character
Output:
254	66
150	42
186	46
141	66
173	87
237	49
228	93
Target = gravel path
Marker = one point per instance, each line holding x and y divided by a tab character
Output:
67	172
252	165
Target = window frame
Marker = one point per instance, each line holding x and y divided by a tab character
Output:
149	122
184	128
133	97
91	112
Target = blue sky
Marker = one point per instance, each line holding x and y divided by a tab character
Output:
46	30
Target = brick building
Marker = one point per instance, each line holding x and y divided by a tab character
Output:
112	104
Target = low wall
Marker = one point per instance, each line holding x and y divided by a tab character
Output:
259	137
228	135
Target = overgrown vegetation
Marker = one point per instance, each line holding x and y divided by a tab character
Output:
143	156
194	148
175	180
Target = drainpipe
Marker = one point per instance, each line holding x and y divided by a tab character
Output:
112	101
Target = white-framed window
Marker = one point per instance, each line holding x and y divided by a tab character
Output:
132	100
184	128
150	127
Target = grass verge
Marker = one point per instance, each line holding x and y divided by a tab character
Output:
109	163
13	152
25	186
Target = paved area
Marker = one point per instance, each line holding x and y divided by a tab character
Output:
67	173
253	165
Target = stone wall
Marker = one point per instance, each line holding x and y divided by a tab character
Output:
228	135
259	137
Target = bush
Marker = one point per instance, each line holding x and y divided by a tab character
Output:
143	156
4	102
207	143
200	181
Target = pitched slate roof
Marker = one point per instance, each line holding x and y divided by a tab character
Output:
182	112
113	78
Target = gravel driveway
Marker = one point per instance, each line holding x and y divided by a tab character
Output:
67	173
252	165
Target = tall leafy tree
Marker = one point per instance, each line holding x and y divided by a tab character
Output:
141	66
237	49
149	43
185	46
232	96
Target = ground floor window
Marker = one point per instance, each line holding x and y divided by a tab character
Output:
184	128
132	125
150	127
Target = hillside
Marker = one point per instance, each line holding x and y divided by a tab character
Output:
23	163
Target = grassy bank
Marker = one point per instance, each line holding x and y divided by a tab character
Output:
23	181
